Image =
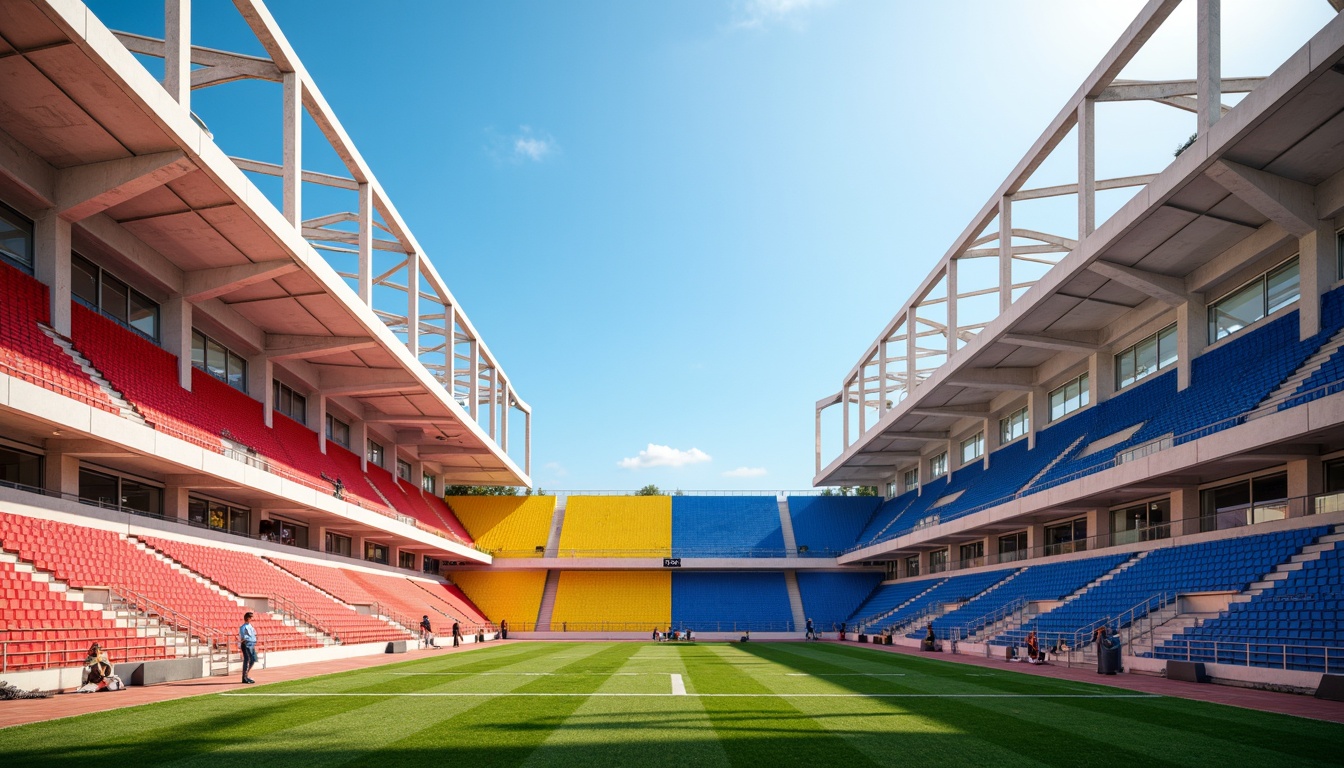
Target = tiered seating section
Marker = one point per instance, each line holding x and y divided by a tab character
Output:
1224	565
506	526
829	525
709	601
1289	626
726	526
617	526
1052	581
88	557
612	600
41	628
146	375
251	576
28	353
513	596
403	599
889	597
830	597
956	589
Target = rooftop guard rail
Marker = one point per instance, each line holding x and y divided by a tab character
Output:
1147	449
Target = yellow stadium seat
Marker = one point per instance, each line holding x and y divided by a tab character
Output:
506	526
511	595
635	601
617	526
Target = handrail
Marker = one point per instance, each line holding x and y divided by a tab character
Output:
963	631
1238	652
294	612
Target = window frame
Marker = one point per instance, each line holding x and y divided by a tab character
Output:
976	443
909	483
1159	340
281	394
937	465
1010	424
103	280
210	347
341	437
1262	283
374	452
1082	399
25	262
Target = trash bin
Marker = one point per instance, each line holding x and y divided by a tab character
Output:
1108	656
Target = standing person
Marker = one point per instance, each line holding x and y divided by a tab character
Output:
503	629
810	634
426	631
457	633
247	639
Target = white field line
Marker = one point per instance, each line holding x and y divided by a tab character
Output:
678	686
845	674
736	695
526	674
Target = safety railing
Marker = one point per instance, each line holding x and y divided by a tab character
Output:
1004	613
42	647
647	628
1255	652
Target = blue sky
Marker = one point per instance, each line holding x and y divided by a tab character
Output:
678	224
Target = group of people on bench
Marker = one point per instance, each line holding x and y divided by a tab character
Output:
673	634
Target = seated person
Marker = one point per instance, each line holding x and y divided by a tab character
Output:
98	672
655	634
1034	655
746	637
930	641
690	636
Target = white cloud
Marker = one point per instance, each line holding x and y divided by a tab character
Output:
746	472
556	469
531	148
663	456
753	14
525	145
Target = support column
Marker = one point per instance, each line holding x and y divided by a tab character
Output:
1318	269
1087	170
1192	335
882	386
474	402
816	436
844	410
494	399
175	501
504	417
260	371
450	355
359	442
51	265
413	304
527	443
984	440
1005	254
322	423
1185	511
317	537
365	279
1038	414
951	307
176	336
1101	369
1306	477
1035	540
911	350
177	50
1209	65
61	474
862	382
1099	527
292	133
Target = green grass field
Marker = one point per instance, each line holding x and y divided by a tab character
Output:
643	704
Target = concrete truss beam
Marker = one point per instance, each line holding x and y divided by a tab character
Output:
1166	289
1290	204
920	436
83	190
240	65
202	284
955	411
293	347
1158	90
1059	342
996	379
429	451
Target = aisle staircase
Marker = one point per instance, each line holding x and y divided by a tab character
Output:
547	608
124	406
1288	386
786	526
557	523
795	599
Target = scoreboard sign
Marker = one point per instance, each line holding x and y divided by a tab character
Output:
671	562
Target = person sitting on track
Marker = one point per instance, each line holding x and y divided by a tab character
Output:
1034	655
930	641
98	672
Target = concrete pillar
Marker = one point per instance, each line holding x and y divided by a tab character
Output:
1208	67
1035	398
1192	335
1184	511
1099	527
474	395
175	335
1306	477
176	501
911	350
527	443
1005	253
413	304
844	411
1101	370
951	307
494	402
321	416
51	265
254	520
292	144
177	50
357	546
984	432
883	388
61	474
359	442
1318	267
317	538
260	371
365	279
1087	168
504	417
1035	540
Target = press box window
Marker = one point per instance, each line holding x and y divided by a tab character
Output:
16	239
973	448
427	482
375	453
1013	426
911	479
218	361
1069	397
289	402
1146	357
93	287
1260	298
338	431
938	465
404	470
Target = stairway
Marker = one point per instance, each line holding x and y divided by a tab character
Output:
795	600
1107	576
1064	454
1308	553
876	620
387	619
1289	385
548	601
786	525
1010	626
557	523
123	405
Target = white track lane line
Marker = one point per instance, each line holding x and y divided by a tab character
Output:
678	687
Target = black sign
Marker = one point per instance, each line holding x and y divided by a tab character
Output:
671	562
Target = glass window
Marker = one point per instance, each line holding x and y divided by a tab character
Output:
84	281
972	554
289	402
376	553
430	564
973	447
198	350
16	239
216	359
1145	358
338	431
406	560
1066	537
938	561
375	454
114	297
20	468
237	373
337	544
144	315
427	482
1013	547
1260	298
938	465
141	497
912	566
98	488
1069	397
404	470
1013	426
912	479
1141	522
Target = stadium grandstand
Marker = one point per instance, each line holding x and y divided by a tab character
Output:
213	401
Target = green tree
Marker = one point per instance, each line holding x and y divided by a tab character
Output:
649	490
480	490
866	490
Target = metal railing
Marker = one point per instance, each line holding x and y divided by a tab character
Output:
1255	652
646	628
48	647
968	629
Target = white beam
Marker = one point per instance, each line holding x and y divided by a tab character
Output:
995	379
292	141
1209	63
293	347
84	190
1291	204
1166	289
177	50
205	284
1061	342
